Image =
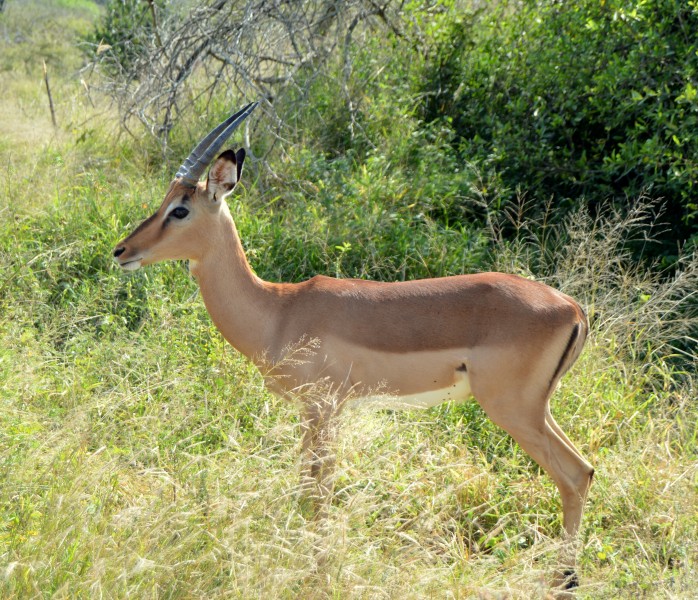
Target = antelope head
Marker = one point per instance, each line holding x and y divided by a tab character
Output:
186	216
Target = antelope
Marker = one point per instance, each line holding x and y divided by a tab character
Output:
502	339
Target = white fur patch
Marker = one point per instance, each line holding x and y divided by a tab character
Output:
458	392
132	265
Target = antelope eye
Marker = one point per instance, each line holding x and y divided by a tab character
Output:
180	212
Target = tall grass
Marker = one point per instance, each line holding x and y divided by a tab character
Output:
140	456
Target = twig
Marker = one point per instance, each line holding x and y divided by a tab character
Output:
155	22
87	91
50	98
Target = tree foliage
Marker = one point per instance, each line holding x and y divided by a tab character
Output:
127	31
569	100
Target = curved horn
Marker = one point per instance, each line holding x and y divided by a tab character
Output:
200	157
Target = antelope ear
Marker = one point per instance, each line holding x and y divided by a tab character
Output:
224	175
240	158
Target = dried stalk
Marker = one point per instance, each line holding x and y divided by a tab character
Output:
50	97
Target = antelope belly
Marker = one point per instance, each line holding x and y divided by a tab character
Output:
459	391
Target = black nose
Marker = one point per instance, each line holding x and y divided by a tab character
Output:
119	251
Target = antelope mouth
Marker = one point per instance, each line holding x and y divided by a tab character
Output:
131	265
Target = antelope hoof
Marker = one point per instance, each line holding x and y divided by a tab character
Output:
564	584
570	579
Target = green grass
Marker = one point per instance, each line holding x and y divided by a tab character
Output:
140	456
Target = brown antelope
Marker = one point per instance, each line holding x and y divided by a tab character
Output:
502	339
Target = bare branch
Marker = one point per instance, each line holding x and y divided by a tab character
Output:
239	48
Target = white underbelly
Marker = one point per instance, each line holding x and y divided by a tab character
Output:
459	391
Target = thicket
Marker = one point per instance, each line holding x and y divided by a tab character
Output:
126	30
570	104
583	102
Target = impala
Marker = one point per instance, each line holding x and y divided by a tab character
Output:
502	339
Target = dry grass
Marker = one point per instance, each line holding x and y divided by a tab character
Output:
141	457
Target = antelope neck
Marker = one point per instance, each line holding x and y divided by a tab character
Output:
241	305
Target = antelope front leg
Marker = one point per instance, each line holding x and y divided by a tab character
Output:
319	423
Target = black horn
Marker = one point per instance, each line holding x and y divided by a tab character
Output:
193	167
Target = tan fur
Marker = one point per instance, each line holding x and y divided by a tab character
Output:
505	339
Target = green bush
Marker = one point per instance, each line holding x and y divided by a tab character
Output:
569	100
126	30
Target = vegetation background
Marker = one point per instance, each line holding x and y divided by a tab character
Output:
141	457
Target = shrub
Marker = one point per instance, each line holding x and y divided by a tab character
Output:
126	31
593	100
